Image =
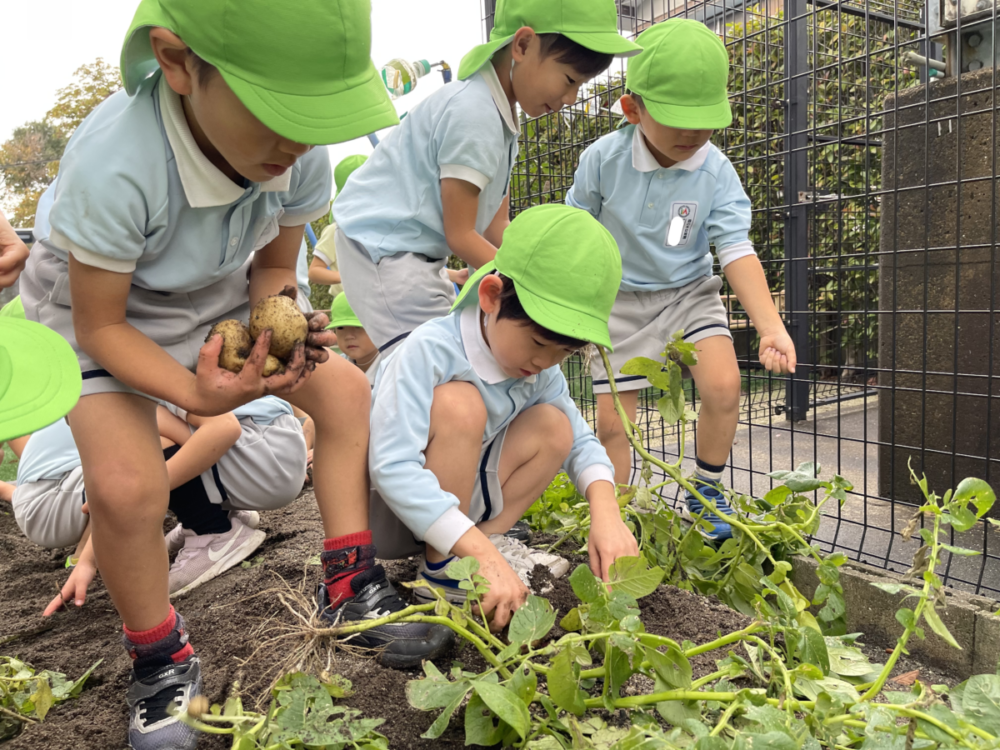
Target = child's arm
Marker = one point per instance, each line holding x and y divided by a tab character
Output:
746	277
213	436
460	202
319	273
82	575
585	192
99	300
501	220
13	254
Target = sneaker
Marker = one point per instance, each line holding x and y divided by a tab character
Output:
150	726
176	537
438	579
402	645
523	559
711	491
520	531
205	556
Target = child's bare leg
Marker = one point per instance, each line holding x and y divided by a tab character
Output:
17	445
338	397
7	492
717	376
127	495
536	445
611	432
308	427
458	420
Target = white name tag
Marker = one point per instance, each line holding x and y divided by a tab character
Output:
681	225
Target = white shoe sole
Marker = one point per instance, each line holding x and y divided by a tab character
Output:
237	554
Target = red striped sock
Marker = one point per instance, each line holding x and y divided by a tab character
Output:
343	558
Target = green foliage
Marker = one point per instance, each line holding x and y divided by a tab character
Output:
303	714
28	695
8	465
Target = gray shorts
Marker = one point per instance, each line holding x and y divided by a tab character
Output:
642	322
395	295
177	322
393	539
48	511
264	469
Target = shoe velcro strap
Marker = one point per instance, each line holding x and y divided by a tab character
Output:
177	675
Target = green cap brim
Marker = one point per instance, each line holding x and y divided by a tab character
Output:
363	108
478	56
40	377
605	42
711	117
345	321
556	318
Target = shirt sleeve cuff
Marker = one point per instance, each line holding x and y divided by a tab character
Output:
461	172
89	257
734	252
595	473
298	220
445	532
322	256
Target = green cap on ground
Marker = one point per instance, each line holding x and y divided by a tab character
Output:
13	309
39	377
345	168
682	74
341	314
303	69
590	23
566	269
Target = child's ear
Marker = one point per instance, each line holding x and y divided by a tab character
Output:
522	42
630	108
172	55
489	294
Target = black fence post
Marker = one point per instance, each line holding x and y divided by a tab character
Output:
489	10
796	217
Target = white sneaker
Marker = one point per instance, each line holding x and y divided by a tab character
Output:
523	559
205	556
176	537
438	579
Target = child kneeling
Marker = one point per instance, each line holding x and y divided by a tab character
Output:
472	416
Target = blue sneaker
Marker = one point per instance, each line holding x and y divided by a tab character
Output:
711	491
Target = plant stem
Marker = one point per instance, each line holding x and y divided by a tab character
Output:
725	640
13	715
669	695
726	716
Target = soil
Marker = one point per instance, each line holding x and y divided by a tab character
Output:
225	617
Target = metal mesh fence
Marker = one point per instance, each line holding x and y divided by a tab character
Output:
874	214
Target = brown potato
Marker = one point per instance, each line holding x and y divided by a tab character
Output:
287	323
273	366
236	344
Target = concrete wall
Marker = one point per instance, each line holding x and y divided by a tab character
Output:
938	285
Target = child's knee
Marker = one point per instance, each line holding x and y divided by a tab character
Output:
458	408
128	495
723	394
556	432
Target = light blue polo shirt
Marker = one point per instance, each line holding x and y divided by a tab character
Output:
437	352
392	203
302	271
50	453
622	185
264	410
135	194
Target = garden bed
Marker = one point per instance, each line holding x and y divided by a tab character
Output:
225	622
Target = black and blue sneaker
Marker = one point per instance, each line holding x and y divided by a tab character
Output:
693	508
152	726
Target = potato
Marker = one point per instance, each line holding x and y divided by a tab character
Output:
287	323
198	707
273	366
236	344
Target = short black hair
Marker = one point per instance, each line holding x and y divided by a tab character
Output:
584	61
511	309
202	68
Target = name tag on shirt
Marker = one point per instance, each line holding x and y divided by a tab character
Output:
681	224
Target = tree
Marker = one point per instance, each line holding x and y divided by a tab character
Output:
29	160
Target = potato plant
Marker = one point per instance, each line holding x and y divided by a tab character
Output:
27	695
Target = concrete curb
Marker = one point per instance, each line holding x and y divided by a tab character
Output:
872	611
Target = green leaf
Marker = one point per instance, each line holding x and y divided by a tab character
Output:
650	369
960	551
906	618
946	717
571	623
978	492
505	704
961	518
564	682
462	569
42	697
672	667
585	584
437	728
532	621
524	683
812	648
781	570
634	576
980	700
480	728
435	691
934	620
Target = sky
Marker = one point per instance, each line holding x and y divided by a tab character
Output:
34	66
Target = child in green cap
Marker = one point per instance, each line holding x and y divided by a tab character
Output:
666	195
438	184
472	417
352	340
200	175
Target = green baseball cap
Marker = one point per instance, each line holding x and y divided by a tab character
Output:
346	168
341	314
303	69
566	269
39	377
13	309
590	23
681	75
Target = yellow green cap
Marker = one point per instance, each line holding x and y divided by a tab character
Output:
566	269
345	168
341	314
590	23
13	309
682	75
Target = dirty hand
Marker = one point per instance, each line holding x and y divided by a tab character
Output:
777	352
609	539
507	592
13	254
75	588
318	339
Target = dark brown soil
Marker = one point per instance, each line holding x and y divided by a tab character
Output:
222	622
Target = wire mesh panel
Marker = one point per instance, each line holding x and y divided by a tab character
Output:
874	214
